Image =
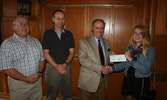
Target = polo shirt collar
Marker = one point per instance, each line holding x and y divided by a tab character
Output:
55	31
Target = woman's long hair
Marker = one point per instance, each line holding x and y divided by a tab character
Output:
146	38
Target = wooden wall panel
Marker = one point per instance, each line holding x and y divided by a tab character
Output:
146	14
1	80
75	68
1	8
4	89
123	2
161	87
9	8
34	27
160	48
159	42
114	87
125	18
100	12
33	30
75	22
161	25
6	33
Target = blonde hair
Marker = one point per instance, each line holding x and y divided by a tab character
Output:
146	38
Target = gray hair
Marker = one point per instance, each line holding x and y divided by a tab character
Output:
14	21
98	20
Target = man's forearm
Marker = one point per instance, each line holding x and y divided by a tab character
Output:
15	74
49	59
71	55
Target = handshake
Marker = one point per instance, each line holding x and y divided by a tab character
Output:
106	69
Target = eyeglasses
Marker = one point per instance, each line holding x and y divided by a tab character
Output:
21	24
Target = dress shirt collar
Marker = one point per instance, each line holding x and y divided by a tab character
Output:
98	39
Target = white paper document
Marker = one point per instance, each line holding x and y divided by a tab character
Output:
118	58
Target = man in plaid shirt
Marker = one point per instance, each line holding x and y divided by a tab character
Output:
21	58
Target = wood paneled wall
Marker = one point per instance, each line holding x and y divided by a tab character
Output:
160	39
161	25
120	17
0	19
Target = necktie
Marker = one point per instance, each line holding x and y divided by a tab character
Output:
101	55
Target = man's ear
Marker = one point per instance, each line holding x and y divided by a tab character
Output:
91	29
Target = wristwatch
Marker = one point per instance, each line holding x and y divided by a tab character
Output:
66	63
40	72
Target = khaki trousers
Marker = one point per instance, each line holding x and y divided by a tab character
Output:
98	95
20	90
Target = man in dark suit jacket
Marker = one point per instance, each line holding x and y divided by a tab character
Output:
91	81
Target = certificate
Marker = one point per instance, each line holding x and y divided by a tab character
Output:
118	58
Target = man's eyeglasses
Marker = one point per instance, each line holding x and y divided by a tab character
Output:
21	24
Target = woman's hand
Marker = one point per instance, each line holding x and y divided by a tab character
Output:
112	53
128	56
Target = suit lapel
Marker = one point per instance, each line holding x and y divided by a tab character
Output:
94	46
105	50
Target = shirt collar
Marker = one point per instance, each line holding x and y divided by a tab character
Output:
97	39
57	32
62	29
21	39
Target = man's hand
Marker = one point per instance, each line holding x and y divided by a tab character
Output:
106	69
33	78
17	75
61	68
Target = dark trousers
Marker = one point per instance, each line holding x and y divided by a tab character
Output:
98	95
55	80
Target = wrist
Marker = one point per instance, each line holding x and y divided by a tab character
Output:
55	65
24	78
66	63
40	72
